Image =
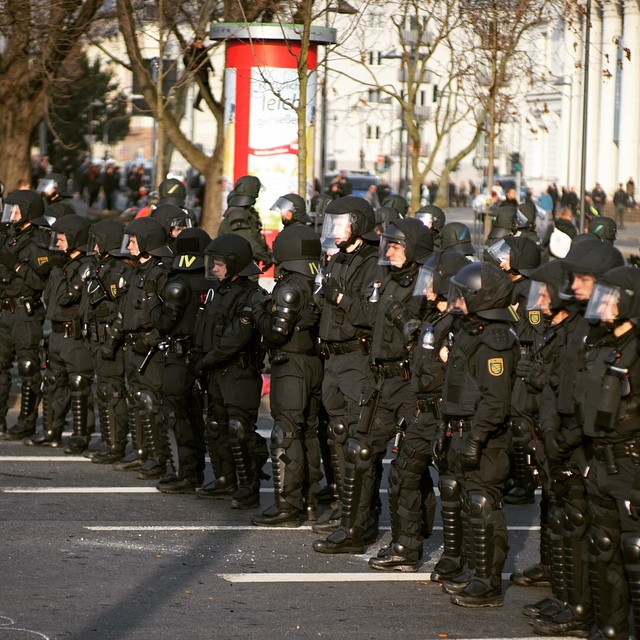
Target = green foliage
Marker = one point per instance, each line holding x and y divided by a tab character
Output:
82	105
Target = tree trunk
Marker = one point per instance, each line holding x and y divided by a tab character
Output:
212	205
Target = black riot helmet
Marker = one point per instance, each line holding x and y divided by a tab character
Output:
446	266
526	215
484	290
547	284
173	219
412	235
592	256
235	251
456	238
105	237
150	235
349	217
75	229
189	248
22	206
616	296
524	255
385	216
297	248
245	192
295	204
504	222
172	191
53	187
432	216
398	203
54	211
603	227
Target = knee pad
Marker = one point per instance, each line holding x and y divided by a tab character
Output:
106	393
280	438
49	381
212	429
574	518
600	544
449	489
359	454
631	550
144	401
338	432
27	367
78	383
238	430
479	505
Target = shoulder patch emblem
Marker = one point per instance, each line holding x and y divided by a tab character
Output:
244	320
496	366
535	317
42	260
113	290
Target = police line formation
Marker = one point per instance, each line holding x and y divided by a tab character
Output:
517	370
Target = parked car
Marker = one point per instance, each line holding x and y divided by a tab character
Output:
360	181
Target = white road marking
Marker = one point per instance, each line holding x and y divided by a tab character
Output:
172	527
373	576
89	490
43	459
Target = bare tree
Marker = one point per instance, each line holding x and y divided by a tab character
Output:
37	37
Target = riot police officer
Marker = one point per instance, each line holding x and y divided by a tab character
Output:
24	267
610	422
183	296
345	326
53	188
476	396
144	240
69	374
455	237
433	217
411	497
243	219
292	210
233	358
387	398
290	328
105	287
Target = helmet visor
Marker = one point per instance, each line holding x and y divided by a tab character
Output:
500	253
215	268
47	186
178	224
282	205
129	246
11	213
426	219
539	297
392	252
336	228
604	303
456	300
424	284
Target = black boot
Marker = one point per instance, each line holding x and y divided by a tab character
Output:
247	495
451	563
397	559
26	425
51	435
219	489
79	440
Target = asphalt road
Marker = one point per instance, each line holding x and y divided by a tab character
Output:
90	553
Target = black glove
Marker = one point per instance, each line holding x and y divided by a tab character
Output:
8	258
531	372
471	449
554	445
438	443
331	290
410	329
201	367
107	352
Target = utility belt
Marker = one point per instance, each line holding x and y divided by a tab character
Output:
98	331
27	303
609	452
393	369
135	341
362	344
180	345
462	425
431	405
69	328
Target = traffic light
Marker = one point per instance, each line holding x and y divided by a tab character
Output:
516	164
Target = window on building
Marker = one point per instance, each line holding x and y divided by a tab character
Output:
373	132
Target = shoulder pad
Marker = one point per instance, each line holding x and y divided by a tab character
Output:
499	337
86	271
238	219
176	291
288	297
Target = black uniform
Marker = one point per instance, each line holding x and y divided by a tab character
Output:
387	398
105	287
233	358
290	327
24	267
183	296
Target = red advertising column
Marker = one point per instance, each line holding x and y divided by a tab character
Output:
261	91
